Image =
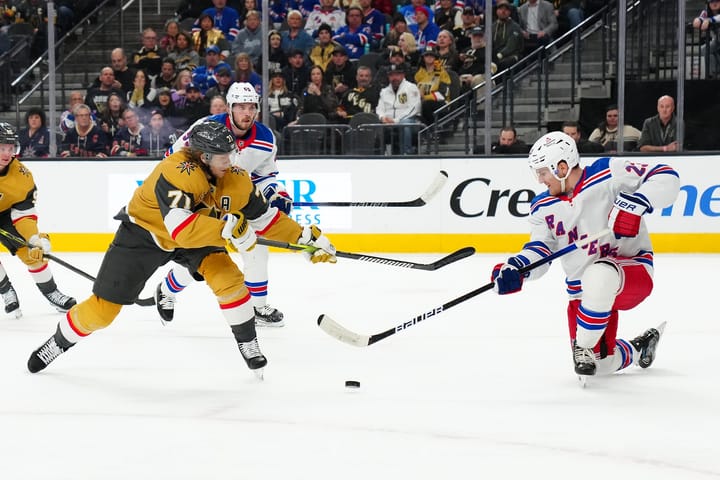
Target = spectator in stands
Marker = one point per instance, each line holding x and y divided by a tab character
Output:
223	76
376	22
85	139
318	96
325	12
195	106
124	75
96	96
279	9
295	38
433	82
204	75
424	30
462	34
362	98
709	19
67	120
584	146
569	13
355	36
111	120
142	97
508	142
225	18
166	106
35	137
297	73
447	53
282	103
408	11
160	135
659	133
168	74
245	72
191	8
472	69
249	39
184	56
321	53
399	26
208	35
150	55
218	105
179	93
340	74
133	139
169	39
448	16
385	6
538	23
408	47
508	44
399	103
395	57
277	59
607	132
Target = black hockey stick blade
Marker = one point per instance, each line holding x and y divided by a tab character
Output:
453	257
339	332
432	190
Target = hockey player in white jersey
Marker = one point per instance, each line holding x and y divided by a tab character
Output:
257	151
609	274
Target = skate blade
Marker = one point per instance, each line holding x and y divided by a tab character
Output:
583	380
17	313
263	324
259	374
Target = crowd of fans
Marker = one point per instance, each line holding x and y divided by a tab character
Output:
337	58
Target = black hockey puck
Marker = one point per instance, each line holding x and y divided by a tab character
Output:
352	384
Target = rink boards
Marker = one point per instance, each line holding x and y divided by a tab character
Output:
484	202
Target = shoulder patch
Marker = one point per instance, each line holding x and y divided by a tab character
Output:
187	167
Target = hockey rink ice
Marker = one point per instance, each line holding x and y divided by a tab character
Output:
485	390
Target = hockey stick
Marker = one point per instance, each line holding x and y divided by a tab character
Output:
143	302
334	329
446	260
418	202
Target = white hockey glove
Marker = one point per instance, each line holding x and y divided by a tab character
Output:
238	232
38	245
325	250
278	197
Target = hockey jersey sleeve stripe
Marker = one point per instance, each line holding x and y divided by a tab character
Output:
544	202
235	303
539	248
177	220
594	180
661	169
263	223
26	215
261	146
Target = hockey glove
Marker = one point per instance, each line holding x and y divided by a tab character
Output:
239	233
627	211
325	250
38	245
506	276
277	197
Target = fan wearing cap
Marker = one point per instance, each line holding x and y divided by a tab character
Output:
223	77
321	53
433	82
195	106
297	73
204	75
408	11
424	30
472	68
340	74
462	34
257	150
400	102
508	42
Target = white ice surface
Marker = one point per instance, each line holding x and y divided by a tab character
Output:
484	390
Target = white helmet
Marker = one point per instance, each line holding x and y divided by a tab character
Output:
241	92
551	149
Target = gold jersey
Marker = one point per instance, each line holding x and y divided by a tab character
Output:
18	195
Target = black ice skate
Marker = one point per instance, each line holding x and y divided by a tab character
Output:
584	361
267	316
254	358
165	304
60	301
646	344
48	351
12	305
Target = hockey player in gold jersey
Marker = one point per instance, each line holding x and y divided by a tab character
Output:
18	218
168	219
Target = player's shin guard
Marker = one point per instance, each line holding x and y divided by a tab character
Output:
600	284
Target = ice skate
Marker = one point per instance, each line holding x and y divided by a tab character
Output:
584	359
48	351
254	358
60	301
646	344
12	305
165	304
267	316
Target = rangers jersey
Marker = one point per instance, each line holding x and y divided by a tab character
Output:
558	221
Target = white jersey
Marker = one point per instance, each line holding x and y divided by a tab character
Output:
400	105
257	150
558	221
